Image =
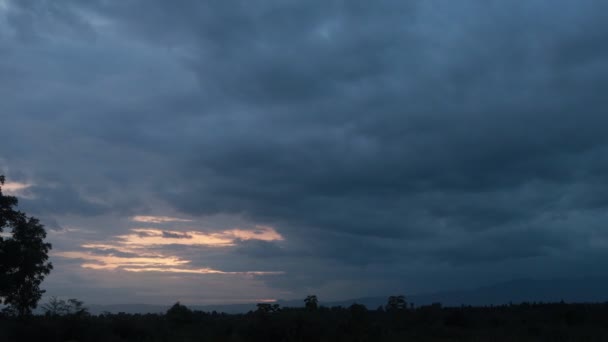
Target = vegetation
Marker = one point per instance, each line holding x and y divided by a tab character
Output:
311	303
524	322
396	303
23	257
58	307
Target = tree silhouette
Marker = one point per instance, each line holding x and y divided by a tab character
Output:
23	257
266	308
76	308
311	302
179	314
396	303
59	307
55	307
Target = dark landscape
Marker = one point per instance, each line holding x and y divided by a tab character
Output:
521	322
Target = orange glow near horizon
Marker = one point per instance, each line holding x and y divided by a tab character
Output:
140	247
196	271
157	237
112	262
15	188
157	219
265	300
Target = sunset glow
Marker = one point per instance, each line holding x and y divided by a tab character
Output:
142	237
157	219
197	271
111	262
15	188
139	257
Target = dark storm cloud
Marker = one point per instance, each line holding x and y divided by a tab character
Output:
61	200
483	136
261	249
367	133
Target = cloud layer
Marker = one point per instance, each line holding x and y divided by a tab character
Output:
391	145
142	249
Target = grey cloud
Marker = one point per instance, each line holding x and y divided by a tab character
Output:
512	244
368	134
109	251
261	249
52	224
61	200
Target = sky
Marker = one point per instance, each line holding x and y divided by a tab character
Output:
247	151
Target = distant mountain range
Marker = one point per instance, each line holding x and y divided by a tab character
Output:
587	289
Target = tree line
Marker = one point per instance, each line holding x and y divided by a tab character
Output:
69	320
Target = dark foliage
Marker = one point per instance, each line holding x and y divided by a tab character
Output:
396	303
23	258
59	307
524	322
311	303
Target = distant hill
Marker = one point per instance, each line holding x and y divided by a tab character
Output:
586	289
145	308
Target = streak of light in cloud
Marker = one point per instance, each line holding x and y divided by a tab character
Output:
15	188
111	262
138	251
110	248
199	271
157	219
144	237
265	300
